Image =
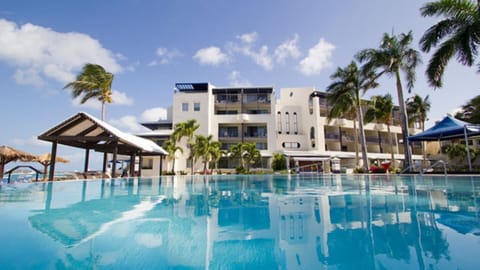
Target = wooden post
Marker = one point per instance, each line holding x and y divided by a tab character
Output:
53	156
87	157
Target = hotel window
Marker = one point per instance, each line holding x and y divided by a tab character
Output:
287	123
291	145
185	107
295	123
196	106
279	123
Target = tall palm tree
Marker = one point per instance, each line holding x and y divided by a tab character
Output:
93	82
380	109
171	147
186	129
344	94
392	57
417	109
456	34
206	149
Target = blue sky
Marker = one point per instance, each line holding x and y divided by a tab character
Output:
150	45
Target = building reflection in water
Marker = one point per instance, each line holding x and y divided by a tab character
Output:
262	222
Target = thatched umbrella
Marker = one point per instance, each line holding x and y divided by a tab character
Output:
45	161
8	154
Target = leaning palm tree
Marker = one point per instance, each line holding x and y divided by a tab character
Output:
380	109
393	56
171	147
93	82
344	94
456	34
186	129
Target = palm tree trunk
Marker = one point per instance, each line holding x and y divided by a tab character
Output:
103	110
357	159
401	102
362	137
391	146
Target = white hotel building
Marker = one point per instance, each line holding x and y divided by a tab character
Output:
295	125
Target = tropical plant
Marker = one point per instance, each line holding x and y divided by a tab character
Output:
171	147
456	150
247	153
417	109
279	162
93	82
344	94
393	56
470	112
206	149
380	109
186	129
456	34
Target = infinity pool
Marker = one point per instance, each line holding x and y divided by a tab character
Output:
243	222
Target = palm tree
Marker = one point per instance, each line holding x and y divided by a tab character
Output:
393	56
417	109
186	129
457	34
470	112
206	149
380	109
251	154
247	152
93	82
344	94
171	147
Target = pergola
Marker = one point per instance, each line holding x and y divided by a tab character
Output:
85	131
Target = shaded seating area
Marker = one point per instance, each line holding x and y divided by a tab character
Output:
87	132
449	128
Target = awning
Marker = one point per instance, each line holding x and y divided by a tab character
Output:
85	131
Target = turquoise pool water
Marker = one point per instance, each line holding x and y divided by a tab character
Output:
243	222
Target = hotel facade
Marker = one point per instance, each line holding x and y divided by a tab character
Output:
293	123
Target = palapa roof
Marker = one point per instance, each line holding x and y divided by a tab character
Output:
85	131
8	154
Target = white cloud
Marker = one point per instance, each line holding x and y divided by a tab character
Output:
248	38
118	98
154	114
261	56
287	49
128	123
236	79
32	141
211	56
165	56
40	53
318	58
131	123
121	98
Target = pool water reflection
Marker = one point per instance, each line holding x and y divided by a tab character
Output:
243	222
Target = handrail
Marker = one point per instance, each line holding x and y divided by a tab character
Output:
434	165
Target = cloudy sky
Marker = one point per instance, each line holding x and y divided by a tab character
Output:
150	45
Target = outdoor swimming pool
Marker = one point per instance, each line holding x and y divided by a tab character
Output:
243	222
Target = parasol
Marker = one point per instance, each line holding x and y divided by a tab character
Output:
45	161
8	154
